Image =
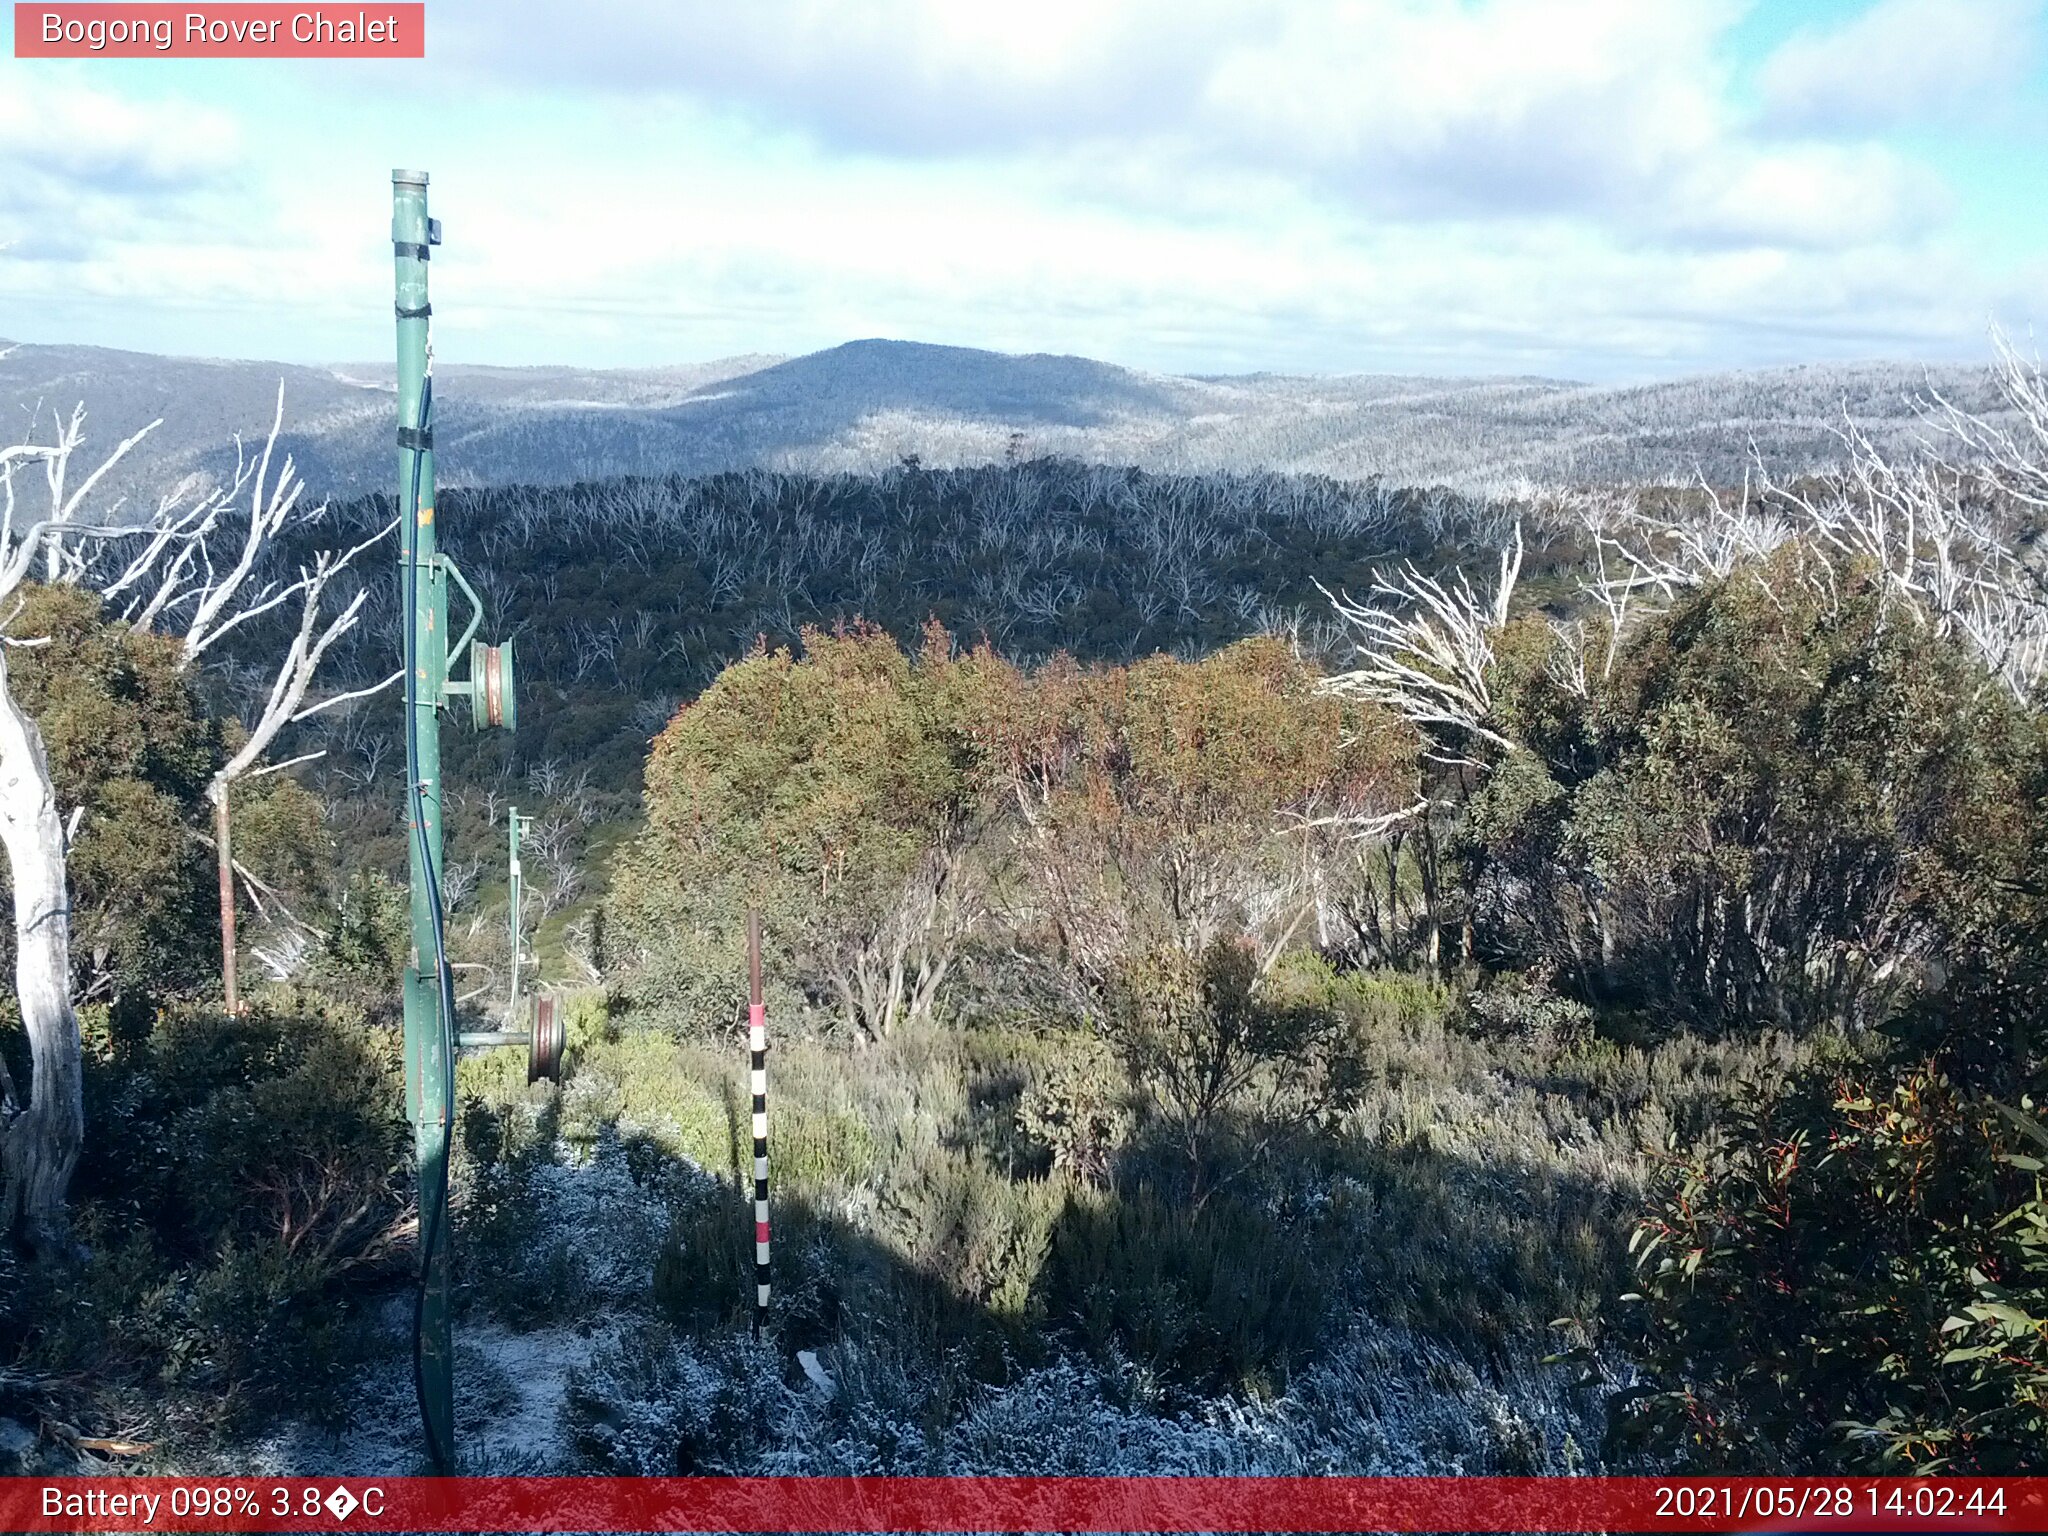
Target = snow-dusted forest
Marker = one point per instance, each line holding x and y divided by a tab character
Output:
1269	973
866	406
883	744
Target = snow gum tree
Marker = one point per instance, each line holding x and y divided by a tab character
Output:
42	1129
160	570
831	791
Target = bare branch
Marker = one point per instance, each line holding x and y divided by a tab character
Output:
350	697
1426	647
1934	524
290	762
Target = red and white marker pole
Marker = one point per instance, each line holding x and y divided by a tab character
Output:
757	1050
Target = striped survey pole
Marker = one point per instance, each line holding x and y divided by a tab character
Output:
757	1050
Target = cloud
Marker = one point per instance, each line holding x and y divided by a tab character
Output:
805	257
1560	186
1540	101
1818	196
1900	60
911	77
1616	110
1516	106
84	170
95	138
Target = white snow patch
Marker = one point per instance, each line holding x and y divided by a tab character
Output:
817	1375
509	1391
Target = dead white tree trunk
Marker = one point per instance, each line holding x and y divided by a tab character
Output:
39	1139
173	576
1936	524
43	1130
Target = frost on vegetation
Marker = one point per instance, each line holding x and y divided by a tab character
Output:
583	1251
657	1405
867	406
510	1389
1384	1402
1388	1402
609	1225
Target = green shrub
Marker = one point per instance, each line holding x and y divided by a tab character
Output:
1077	1111
704	1273
251	1128
500	1116
586	1018
129	745
366	950
1851	1275
200	1350
1379	1000
1212	1299
241	1172
312	1157
263	1326
646	1084
814	1148
829	792
689	1099
1526	1009
1778	801
1151	792
1233	1069
980	1235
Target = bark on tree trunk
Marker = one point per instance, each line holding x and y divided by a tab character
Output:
1432	919
39	1142
223	842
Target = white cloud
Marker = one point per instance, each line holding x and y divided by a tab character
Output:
1900	60
905	76
1561	186
808	256
1816	195
56	124
1517	105
1615	110
84	170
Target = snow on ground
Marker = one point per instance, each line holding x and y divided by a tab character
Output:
509	1390
509	1384
1380	1400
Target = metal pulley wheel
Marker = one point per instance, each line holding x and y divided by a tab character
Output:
544	1044
492	700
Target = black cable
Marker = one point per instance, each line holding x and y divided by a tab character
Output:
440	1451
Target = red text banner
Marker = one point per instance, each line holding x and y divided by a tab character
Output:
216	31
978	1504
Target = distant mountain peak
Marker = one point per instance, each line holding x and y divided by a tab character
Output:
869	402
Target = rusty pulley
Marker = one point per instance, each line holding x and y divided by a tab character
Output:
492	699
545	1042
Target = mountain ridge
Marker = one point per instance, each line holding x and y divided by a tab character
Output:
874	401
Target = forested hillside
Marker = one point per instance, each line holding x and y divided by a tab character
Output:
1266	974
627	597
867	405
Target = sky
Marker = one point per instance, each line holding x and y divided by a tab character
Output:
1611	190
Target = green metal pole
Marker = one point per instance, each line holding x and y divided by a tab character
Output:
512	1009
429	1062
